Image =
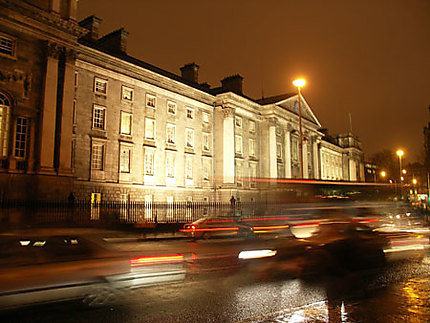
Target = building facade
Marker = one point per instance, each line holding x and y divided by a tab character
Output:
77	114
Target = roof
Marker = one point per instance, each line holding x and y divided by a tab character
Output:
275	99
137	62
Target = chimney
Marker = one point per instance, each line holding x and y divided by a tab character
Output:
190	72
233	83
92	23
116	40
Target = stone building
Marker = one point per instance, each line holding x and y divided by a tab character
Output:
78	114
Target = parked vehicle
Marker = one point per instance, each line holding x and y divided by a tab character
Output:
210	227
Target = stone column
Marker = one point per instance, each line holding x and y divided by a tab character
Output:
315	157
287	149
228	146
305	159
65	148
48	115
273	171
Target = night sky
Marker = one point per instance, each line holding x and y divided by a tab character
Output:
370	58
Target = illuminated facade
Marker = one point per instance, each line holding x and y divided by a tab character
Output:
80	115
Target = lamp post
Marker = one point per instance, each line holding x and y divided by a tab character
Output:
299	83
383	174
400	153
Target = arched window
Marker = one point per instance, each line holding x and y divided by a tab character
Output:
4	124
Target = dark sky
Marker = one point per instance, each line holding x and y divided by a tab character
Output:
370	58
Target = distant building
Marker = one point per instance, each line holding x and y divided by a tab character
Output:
79	114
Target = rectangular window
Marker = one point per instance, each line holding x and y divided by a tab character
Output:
189	138
150	101
4	130
124	162
238	145
99	114
170	165
127	93
205	117
171	134
171	107
294	149
252	147
100	85
206	169
149	163
238	122
239	173
190	113
7	46
97	156
206	141
253	171
149	129
251	126
188	167
21	137
278	150
125	123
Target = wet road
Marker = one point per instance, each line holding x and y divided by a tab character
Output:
401	293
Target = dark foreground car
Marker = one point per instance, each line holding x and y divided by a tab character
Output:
41	267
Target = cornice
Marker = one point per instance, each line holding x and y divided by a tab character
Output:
108	62
28	11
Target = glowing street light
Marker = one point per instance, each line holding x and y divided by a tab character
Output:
404	171
299	83
383	173
414	181
400	153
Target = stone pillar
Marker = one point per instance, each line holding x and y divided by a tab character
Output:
65	147
273	170
305	159
315	157
228	146
48	115
287	149
55	6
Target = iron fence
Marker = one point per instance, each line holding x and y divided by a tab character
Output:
104	212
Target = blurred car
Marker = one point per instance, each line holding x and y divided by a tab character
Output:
340	247
210	227
42	267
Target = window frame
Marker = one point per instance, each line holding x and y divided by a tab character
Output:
121	129
14	42
100	80
148	99
252	151
153	121
128	169
204	136
238	139
22	140
127	88
172	126
171	104
146	170
98	107
204	115
192	143
102	156
252	128
238	122
192	113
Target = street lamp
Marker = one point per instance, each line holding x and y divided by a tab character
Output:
400	153
383	174
299	83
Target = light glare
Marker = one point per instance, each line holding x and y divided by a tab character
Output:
299	82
